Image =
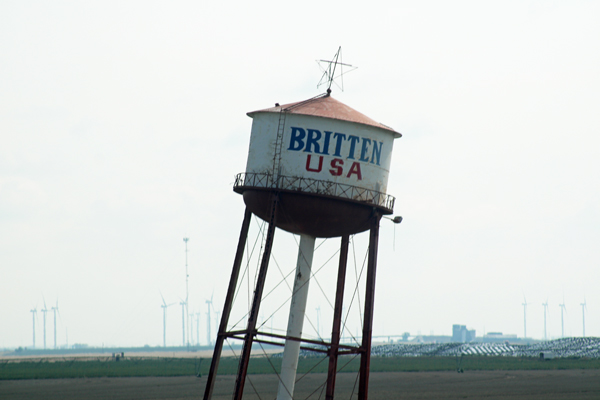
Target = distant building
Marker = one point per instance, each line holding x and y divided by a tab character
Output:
461	334
498	337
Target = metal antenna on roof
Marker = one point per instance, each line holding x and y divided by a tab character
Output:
328	67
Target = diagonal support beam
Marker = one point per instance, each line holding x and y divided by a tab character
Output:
258	291
337	319
235	273
365	358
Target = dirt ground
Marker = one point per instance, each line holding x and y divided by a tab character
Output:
494	385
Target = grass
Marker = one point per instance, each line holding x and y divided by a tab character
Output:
100	368
130	367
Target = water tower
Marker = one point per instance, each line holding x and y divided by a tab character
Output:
319	169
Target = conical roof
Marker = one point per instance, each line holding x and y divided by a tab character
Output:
327	107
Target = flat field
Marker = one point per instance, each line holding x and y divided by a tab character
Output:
391	378
158	366
516	385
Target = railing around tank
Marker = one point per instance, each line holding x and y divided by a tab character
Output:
314	186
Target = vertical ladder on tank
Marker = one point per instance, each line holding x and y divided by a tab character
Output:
278	148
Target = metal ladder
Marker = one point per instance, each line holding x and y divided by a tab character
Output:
278	148
279	139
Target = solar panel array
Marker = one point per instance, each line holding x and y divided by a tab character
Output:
567	347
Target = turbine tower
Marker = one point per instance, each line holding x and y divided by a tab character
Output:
545	311
44	310
191	330
198	314
562	317
185	240
33	314
583	307
164	306
54	310
183	304
524	317
208	333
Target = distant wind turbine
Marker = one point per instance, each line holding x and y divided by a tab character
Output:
524	317
33	313
187	295
563	309
183	305
44	310
583	307
198	314
164	306
191	332
208	333
545	311
55	309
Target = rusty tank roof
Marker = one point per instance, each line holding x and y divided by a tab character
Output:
327	107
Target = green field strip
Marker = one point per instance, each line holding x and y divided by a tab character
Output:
139	367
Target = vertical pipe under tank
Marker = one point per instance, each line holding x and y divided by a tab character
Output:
291	350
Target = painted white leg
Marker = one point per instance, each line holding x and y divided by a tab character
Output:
291	350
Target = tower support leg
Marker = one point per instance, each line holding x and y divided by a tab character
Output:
258	291
210	383
337	319
291	351
365	359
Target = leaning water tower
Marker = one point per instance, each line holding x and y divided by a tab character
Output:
319	169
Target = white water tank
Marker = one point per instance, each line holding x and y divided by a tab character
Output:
329	163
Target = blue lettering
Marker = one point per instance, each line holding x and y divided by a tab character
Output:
339	137
326	143
364	149
376	152
353	139
297	139
311	140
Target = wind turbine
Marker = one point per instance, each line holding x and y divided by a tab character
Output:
524	317
208	333
198	314
33	314
191	332
563	309
183	305
185	240
44	310
583	307
55	309
164	306
545	311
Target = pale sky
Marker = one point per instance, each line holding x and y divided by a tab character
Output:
123	125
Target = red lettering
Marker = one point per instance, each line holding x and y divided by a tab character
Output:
355	169
336	164
308	168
